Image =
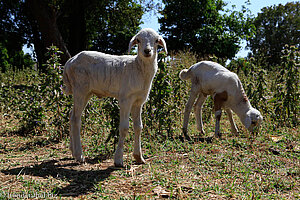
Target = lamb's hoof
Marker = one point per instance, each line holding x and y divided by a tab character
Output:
119	164
181	138
218	135
202	132
209	139
80	159
236	134
186	135
200	137
139	159
189	140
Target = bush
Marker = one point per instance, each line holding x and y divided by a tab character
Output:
286	91
41	105
275	92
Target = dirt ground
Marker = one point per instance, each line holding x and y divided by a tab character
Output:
28	170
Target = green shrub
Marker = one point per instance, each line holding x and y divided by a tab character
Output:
286	94
37	101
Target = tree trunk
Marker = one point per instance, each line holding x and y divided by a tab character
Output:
78	35
46	17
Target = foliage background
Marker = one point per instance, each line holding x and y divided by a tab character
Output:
204	27
43	106
275	27
34	113
108	26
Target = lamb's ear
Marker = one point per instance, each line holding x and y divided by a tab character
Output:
162	42
132	42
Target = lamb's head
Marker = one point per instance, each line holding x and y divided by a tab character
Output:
253	120
147	40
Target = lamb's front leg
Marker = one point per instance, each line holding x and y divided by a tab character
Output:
136	112
125	107
218	114
232	124
219	100
80	102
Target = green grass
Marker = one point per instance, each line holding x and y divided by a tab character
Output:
263	166
242	168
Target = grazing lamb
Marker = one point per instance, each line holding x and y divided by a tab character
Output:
126	78
210	78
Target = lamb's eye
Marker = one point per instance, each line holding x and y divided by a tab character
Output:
156	41
138	41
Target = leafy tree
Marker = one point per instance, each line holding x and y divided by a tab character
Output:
119	22
3	58
12	36
72	25
275	27
43	17
75	25
200	26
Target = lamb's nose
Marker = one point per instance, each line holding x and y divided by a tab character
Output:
147	51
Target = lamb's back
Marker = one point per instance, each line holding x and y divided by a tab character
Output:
214	78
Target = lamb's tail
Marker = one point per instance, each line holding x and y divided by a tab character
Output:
67	88
185	74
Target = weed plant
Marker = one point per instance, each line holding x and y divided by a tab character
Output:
37	101
246	167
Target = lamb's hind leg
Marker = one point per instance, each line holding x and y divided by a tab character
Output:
80	102
187	111
198	112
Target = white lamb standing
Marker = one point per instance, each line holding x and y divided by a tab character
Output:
210	78
126	78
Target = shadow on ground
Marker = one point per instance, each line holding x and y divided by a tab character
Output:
80	181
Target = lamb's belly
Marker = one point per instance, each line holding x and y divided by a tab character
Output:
105	87
208	91
226	105
212	93
104	93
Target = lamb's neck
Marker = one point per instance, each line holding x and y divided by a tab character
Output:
148	67
241	109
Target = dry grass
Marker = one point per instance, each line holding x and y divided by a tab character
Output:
232	168
39	165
